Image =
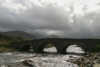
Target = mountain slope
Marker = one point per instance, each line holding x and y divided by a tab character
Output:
18	34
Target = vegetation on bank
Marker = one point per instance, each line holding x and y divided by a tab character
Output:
8	43
97	49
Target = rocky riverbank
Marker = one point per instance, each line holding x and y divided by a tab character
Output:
35	60
17	59
90	60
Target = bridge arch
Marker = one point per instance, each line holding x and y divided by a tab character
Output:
41	46
78	44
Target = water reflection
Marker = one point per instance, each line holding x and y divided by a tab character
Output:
51	50
74	49
71	49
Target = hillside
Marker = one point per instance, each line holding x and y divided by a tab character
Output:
9	40
21	34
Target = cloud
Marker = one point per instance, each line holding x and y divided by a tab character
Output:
64	18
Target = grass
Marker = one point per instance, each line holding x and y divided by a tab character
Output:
97	49
7	43
6	49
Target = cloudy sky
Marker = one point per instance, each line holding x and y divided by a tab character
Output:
63	18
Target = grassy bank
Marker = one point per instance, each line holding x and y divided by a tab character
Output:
9	43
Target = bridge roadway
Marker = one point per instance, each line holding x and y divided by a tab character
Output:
62	44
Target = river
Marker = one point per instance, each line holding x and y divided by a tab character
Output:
40	60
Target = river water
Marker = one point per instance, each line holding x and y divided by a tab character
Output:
41	60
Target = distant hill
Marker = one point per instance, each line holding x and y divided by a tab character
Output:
21	34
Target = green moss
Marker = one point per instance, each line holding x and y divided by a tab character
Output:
97	48
49	45
5	49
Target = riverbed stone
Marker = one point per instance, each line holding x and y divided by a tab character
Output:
96	65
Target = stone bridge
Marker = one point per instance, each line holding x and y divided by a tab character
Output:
62	44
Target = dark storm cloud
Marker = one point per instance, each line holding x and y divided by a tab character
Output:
24	15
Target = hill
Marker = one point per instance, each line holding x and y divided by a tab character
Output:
15	34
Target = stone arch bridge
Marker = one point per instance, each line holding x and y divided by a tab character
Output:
62	44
